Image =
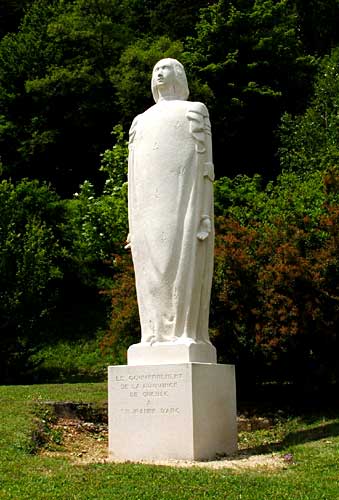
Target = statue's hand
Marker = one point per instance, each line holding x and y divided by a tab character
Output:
205	228
128	241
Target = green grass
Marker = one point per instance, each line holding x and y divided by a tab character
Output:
313	474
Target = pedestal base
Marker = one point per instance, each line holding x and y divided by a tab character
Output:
178	352
174	411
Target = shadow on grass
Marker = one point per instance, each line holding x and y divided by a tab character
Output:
293	438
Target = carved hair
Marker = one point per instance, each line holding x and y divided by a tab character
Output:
181	91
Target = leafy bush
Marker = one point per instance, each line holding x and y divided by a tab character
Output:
275	307
311	141
124	328
30	256
291	196
70	361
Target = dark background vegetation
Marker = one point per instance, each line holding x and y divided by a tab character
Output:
71	72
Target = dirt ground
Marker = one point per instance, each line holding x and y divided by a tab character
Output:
87	443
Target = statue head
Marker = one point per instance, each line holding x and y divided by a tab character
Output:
169	73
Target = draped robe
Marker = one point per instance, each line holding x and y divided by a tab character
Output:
170	193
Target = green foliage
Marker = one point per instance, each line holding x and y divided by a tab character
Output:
23	56
30	256
251	57
317	22
174	19
310	141
124	328
58	103
54	258
74	68
66	76
274	296
98	224
95	229
114	161
275	305
290	197
70	361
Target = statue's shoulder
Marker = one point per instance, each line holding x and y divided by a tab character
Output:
133	129
197	107
135	122
139	118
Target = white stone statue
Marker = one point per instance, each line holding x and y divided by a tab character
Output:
171	230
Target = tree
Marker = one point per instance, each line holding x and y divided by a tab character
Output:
310	141
30	257
56	97
57	266
174	19
318	24
250	56
275	303
156	18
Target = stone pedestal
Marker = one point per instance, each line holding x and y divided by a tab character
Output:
159	353
171	411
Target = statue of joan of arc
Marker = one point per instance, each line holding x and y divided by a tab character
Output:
170	193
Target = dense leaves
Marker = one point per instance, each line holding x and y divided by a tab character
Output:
55	90
317	21
30	256
75	68
124	327
55	256
250	56
276	301
311	141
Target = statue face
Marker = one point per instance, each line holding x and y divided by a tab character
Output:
163	74
169	79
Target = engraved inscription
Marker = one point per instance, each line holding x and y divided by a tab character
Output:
156	376
150	394
156	394
169	410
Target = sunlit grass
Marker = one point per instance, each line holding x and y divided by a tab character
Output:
310	446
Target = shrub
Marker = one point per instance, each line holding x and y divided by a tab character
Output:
30	254
275	307
310	141
124	328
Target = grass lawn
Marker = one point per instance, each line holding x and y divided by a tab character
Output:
311	472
